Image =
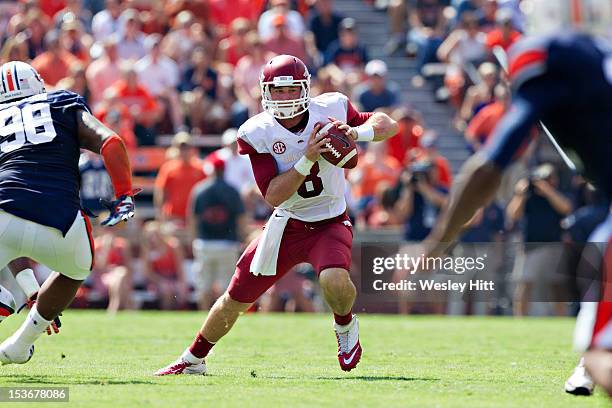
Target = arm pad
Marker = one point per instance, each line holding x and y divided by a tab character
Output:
117	164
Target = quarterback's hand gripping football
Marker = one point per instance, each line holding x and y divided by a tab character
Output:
348	130
122	209
316	143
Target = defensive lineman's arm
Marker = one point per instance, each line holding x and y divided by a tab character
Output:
95	136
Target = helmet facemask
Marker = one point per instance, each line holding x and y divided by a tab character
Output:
290	108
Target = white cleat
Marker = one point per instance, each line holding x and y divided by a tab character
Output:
349	348
182	366
14	353
580	382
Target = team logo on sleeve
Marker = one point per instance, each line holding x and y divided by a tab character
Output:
279	147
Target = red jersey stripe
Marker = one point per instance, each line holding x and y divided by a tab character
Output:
526	59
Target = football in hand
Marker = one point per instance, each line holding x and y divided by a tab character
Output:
343	150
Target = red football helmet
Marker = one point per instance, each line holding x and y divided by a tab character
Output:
285	70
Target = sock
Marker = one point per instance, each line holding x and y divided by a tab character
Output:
27	281
343	320
31	329
199	348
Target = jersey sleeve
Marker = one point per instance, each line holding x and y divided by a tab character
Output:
527	60
251	138
67	100
264	169
533	100
354	117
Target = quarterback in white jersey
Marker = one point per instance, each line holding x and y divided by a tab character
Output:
309	223
317	200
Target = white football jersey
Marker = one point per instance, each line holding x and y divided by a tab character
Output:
322	194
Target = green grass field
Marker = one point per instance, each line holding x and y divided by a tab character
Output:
289	360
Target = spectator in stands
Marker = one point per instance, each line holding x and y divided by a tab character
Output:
518	17
482	124
487	15
183	39
112	272
246	75
377	93
291	294
429	153
160	75
234	47
329	79
373	168
282	41
479	95
200	91
465	44
53	64
347	53
238	172
323	25
428	27
541	206
407	139
216	222
421	196
131	40
155	20
504	34
106	22
294	20
38	25
76	81
15	49
143	108
103	72
487	225
199	8
74	10
582	222
222	16
465	6
463	49
175	180
397	12
200	74
75	39
380	213
117	117
49	7
163	259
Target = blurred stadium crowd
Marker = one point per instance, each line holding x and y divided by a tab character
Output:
175	78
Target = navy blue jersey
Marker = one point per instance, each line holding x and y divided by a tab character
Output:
566	82
39	156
